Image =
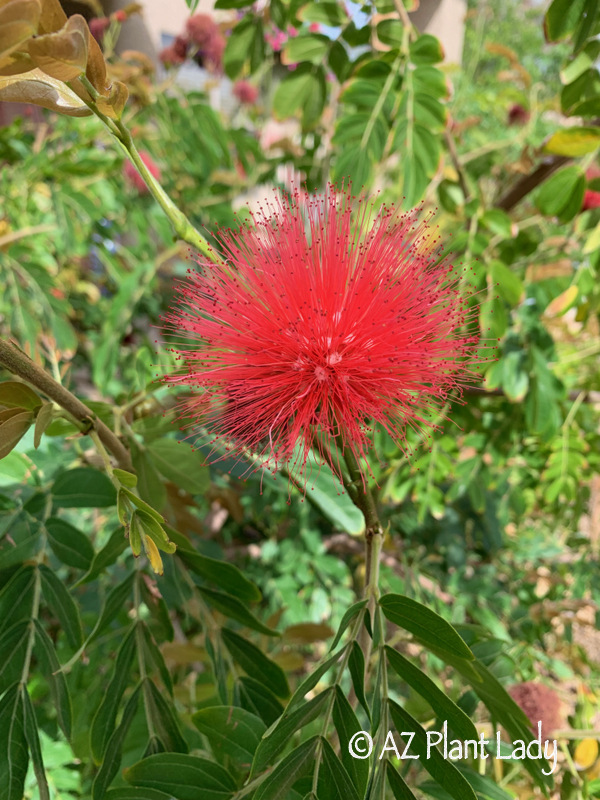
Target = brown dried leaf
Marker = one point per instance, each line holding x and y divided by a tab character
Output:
19	21
63	55
53	17
42	90
96	68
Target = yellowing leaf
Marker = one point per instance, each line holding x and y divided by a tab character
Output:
53	17
563	302
18	22
42	90
307	633
113	104
593	241
573	142
586	753
154	558
63	55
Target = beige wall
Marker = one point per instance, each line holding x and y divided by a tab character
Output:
446	20
442	18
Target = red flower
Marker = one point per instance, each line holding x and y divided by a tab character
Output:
201	28
245	92
133	177
518	115
98	26
120	16
591	198
320	327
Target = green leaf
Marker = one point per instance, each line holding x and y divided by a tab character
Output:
278	736
293	767
425	625
226	576
164	721
63	606
311	47
13	746
259	699
331	498
255	663
114	604
13	428
510	286
573	142
150	487
327	12
136	794
562	19
50	667
14	394
11	555
103	724
143	506
233	733
105	557
391	32
13	646
33	742
348	617
114	748
125	478
231	607
178	463
83	487
311	680
441	704
152	650
334	781
399	787
356	665
562	194
42	420
426	49
239	45
443	771
16	597
183	777
68	544
303	89
347	724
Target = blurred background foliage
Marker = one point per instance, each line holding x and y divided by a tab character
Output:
495	524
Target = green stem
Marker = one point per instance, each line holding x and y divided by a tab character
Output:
181	224
365	501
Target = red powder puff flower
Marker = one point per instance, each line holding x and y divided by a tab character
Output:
201	28
314	27
98	26
120	16
320	326
212	52
518	115
245	92
133	177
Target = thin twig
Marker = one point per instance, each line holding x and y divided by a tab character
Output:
17	362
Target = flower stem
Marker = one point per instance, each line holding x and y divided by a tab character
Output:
365	501
181	224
